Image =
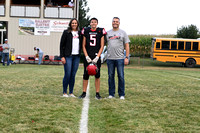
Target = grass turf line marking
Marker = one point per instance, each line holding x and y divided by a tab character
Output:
85	109
189	77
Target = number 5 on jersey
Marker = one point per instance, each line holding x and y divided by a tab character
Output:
93	39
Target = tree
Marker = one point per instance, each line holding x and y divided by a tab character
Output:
190	31
83	10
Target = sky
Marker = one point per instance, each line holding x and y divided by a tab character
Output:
146	16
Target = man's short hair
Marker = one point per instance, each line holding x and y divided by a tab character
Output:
116	18
93	19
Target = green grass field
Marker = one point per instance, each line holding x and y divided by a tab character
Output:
159	98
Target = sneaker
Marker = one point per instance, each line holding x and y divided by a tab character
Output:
71	95
122	97
65	95
82	96
110	97
98	96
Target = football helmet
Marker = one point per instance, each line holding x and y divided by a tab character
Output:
92	69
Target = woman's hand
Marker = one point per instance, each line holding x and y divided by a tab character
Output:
63	60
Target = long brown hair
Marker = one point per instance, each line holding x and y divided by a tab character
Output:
70	24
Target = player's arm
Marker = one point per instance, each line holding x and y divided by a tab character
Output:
101	48
127	53
100	51
88	59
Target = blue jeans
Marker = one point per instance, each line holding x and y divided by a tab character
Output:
40	58
119	64
70	67
5	55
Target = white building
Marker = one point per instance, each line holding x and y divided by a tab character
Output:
35	23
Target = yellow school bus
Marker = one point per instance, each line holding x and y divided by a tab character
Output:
185	51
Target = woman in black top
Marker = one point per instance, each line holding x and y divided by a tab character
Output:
70	51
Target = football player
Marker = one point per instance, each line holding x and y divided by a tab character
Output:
93	43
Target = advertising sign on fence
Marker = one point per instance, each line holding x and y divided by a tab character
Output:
41	27
58	26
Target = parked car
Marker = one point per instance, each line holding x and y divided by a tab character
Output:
104	55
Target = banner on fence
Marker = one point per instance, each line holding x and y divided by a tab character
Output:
41	27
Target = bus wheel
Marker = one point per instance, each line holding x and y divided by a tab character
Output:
190	63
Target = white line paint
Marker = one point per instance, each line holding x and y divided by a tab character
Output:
187	76
85	109
190	77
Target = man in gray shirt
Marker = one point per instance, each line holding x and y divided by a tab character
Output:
6	49
40	54
117	41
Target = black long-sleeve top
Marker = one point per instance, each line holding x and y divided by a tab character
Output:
66	43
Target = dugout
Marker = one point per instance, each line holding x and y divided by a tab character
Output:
31	23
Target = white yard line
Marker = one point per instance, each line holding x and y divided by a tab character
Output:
185	76
85	109
190	77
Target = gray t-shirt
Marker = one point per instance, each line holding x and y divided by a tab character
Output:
39	49
6	50
116	41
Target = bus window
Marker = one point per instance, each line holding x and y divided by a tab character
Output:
188	46
195	46
173	45
180	45
157	45
165	45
